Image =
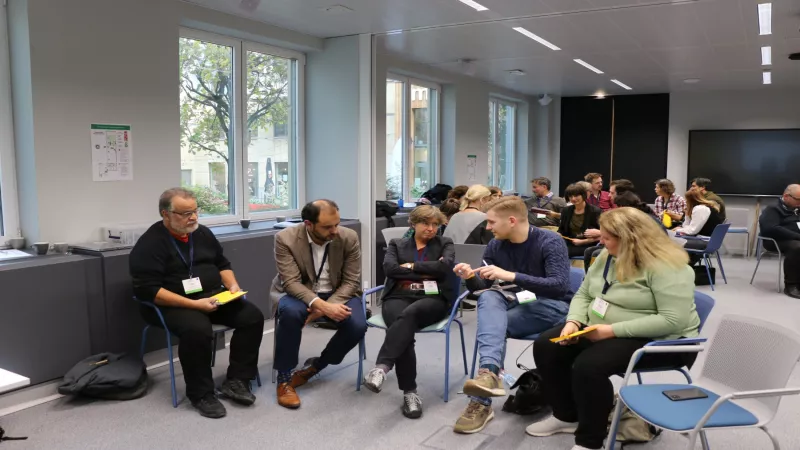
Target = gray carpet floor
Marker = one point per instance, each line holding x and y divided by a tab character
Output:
335	416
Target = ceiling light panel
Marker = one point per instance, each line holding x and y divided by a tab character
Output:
764	19
766	77
623	85
475	5
766	56
536	38
588	66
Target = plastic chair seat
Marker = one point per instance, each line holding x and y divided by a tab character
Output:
650	403
378	322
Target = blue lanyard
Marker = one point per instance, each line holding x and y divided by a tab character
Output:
607	285
421	255
191	254
545	204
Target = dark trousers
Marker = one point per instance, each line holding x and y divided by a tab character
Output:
576	378
590	253
292	315
791	262
193	328
577	250
695	244
404	316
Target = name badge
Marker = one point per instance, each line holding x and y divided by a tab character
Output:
540	216
431	288
192	285
525	297
599	307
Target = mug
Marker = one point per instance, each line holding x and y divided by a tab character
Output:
17	243
245	223
61	247
41	247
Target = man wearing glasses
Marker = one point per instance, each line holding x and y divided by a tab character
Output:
178	265
782	223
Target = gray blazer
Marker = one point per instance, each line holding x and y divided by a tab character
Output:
404	250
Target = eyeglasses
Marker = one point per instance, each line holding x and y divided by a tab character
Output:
187	214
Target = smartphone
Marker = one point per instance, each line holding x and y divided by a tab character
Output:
678	395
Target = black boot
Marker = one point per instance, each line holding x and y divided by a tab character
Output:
792	290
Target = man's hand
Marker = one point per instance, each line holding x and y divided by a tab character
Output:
569	328
554	215
581	242
313	314
495	273
336	312
463	270
600	333
674	215
206	305
234	288
592	233
409	266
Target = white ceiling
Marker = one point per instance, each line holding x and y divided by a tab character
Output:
651	45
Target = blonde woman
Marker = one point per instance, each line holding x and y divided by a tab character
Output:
470	216
639	290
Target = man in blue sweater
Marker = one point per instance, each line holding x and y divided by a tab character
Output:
525	283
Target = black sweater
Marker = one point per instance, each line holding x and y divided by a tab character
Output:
780	223
155	263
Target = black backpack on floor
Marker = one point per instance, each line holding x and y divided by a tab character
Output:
529	398
112	376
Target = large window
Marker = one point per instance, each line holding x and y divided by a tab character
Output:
240	117
412	137
9	217
502	141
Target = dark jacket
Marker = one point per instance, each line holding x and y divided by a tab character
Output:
713	220
480	235
780	223
718	200
404	250
591	216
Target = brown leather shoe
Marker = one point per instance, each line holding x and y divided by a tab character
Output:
301	377
287	397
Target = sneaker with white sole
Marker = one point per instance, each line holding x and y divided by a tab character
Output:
580	447
374	380
486	384
474	418
550	426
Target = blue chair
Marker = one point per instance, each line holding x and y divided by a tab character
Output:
749	361
217	330
712	248
741	230
575	280
761	251
703	304
443	326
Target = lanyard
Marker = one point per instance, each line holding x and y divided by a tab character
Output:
324	258
545	203
421	255
191	254
607	285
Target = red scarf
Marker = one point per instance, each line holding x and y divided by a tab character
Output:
183	239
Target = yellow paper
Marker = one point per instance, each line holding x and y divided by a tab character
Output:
574	335
227	296
666	220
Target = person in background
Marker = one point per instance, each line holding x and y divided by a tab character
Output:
536	262
598	197
178	264
417	294
576	219
319	275
458	192
640	290
618	187
782	223
496	192
543	198
586	186
704	186
470	214
449	208
702	216
668	202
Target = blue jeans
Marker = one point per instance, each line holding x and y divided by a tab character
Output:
499	319
292	314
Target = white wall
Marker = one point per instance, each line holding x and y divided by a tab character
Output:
464	121
103	61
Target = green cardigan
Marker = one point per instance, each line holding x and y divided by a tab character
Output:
655	305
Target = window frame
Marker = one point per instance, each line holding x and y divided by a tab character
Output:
239	108
407	180
510	149
9	201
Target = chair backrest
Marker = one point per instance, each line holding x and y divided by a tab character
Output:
393	233
738	217
470	254
575	278
717	236
748	354
703	304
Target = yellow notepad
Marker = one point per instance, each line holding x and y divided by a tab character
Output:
574	335
227	296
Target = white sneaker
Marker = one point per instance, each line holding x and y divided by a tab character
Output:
580	447
374	380
551	426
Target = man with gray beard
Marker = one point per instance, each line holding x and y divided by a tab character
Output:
178	265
